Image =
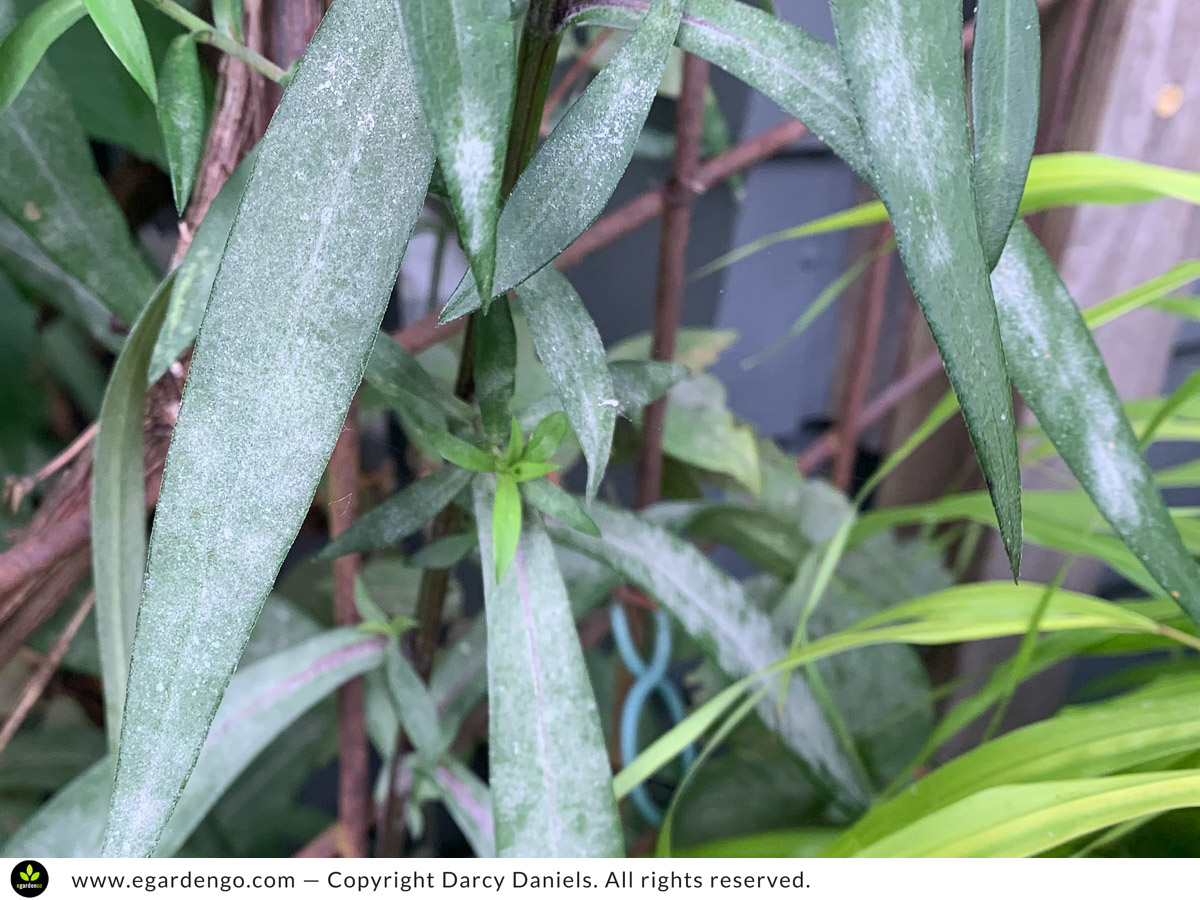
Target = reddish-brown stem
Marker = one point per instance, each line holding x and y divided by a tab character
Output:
888	399
862	362
678	195
354	790
45	671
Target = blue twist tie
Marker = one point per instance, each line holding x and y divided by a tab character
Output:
649	678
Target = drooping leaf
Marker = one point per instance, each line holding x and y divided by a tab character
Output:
338	184
558	504
1006	64
495	355
23	48
1019	820
61	234
393	369
464	56
400	515
572	352
713	608
181	114
119	507
903	61
551	788
263	700
552	202
1059	372
122	29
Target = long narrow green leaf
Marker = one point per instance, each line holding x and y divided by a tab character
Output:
1059	372
194	276
118	22
1055	179
181	114
819	93
263	700
713	608
61	234
469	803
119	507
1092	741
554	201
904	65
1006	67
572	352
25	45
464	56
339	182
495	354
551	788
962	613
400	515
1027	819
393	369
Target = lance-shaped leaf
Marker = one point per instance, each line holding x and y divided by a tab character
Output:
26	44
1020	820
1058	370
495	351
469	803
1006	64
181	114
400	515
263	700
570	348
551	786
785	63
194	276
119	507
307	273
121	28
572	176
903	59
464	55
392	370
1096	740
558	504
61	234
712	607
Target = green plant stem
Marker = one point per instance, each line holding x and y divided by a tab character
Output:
207	33
535	64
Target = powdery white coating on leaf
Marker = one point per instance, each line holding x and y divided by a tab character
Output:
262	701
552	790
61	233
713	608
570	348
1058	370
785	63
118	507
464	58
307	272
1005	81
402	514
573	175
903	59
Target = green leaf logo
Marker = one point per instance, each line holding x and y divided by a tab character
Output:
28	878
